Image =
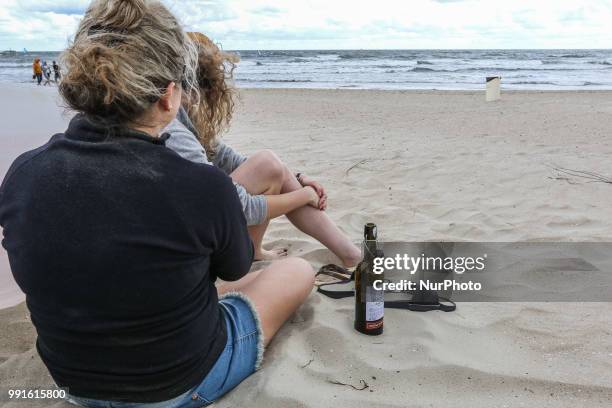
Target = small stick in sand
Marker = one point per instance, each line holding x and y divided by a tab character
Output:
365	384
589	175
562	179
311	360
355	165
308	363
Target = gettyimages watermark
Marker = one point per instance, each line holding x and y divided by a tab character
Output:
496	272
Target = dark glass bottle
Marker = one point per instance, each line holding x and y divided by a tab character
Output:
369	303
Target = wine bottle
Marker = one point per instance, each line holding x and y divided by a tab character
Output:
369	302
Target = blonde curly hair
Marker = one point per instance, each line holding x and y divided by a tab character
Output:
212	114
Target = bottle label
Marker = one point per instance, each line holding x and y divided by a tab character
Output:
375	304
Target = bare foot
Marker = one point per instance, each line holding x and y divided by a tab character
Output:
276	253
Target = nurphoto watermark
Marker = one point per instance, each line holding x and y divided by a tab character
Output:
497	272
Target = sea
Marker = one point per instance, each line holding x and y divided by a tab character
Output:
396	69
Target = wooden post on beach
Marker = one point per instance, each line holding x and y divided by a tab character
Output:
493	88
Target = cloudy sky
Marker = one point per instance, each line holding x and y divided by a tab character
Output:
349	24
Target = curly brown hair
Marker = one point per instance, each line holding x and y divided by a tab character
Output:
212	115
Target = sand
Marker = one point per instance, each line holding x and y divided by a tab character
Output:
423	166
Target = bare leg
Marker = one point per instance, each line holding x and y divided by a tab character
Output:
257	233
276	291
237	286
281	204
318	225
265	172
267	182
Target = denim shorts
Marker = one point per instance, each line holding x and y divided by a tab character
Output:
241	357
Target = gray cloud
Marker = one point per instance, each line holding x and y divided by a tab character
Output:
527	20
267	11
573	17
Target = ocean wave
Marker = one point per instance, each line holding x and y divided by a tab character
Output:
599	62
271	54
474	69
585	83
358	56
502	69
532	83
422	69
492	69
495	69
274	80
404	57
15	65
424	63
494	54
576	55
369	56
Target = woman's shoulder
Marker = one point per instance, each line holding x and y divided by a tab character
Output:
184	143
177	126
27	158
180	135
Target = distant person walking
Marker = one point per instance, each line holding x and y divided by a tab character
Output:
46	69
57	71
37	70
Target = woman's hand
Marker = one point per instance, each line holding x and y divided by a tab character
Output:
314	199
308	182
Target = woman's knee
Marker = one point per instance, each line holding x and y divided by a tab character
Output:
303	267
271	165
295	272
301	273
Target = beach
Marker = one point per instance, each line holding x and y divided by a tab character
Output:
422	165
